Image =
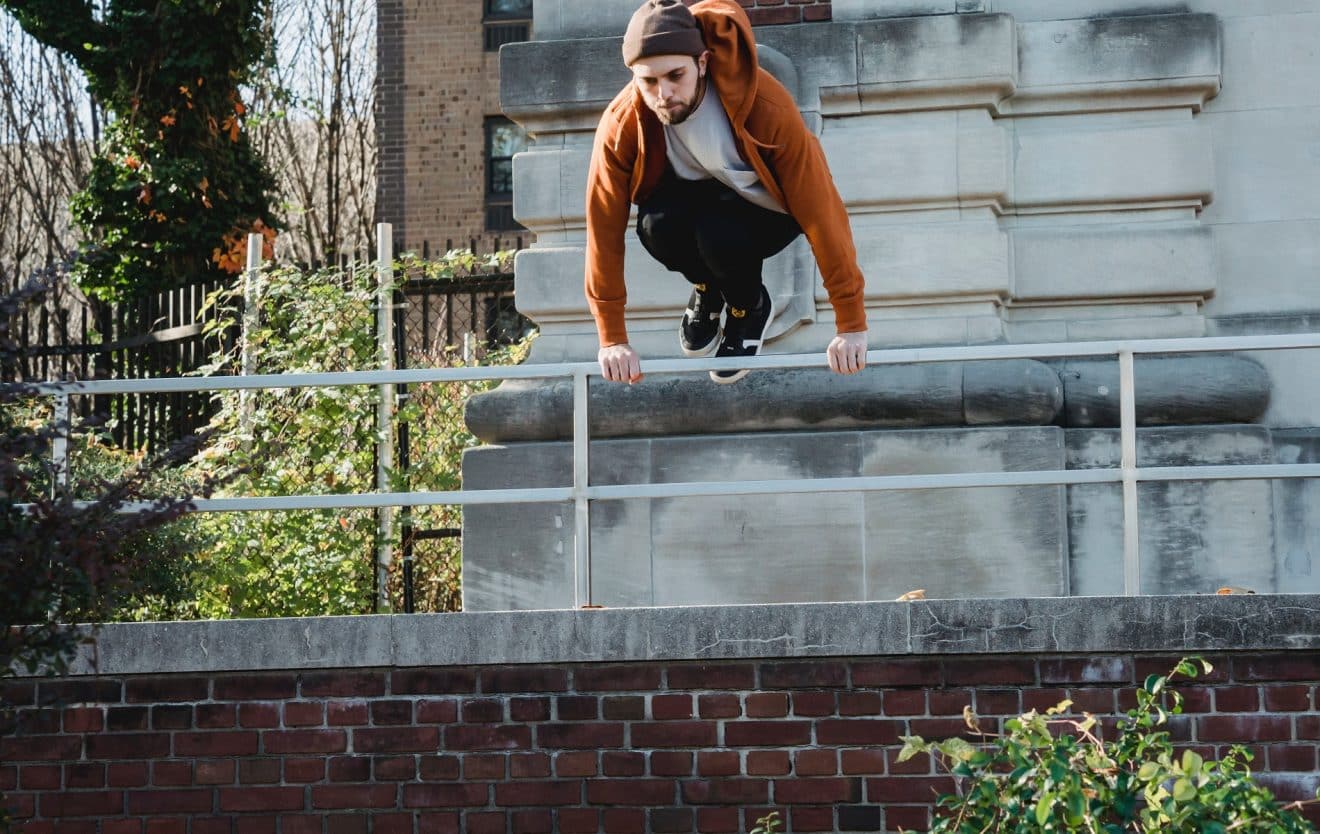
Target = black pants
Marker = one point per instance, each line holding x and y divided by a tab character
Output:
705	231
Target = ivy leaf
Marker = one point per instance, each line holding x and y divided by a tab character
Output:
1043	807
1184	790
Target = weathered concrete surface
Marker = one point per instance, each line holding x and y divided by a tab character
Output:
1017	392
1080	625
1173	390
1297	513
790	548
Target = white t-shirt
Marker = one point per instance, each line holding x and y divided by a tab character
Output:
702	147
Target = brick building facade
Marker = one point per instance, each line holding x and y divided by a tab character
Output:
439	118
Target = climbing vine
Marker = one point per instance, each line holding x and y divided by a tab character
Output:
175	183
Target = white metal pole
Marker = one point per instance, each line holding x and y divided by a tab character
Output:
1127	403
59	451
581	481
251	321
384	408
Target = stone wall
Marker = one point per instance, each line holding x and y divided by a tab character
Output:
664	720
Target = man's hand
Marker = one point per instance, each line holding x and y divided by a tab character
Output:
847	352
620	363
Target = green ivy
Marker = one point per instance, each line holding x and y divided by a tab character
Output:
176	184
1054	773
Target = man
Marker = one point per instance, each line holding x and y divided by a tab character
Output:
725	173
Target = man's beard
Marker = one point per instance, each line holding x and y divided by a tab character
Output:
674	116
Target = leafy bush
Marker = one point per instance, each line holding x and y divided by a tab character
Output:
1050	773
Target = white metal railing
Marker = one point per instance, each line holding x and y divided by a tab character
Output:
582	493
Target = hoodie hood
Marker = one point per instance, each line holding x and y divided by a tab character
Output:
733	66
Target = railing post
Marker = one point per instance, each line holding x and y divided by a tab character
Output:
581	480
384	409
251	321
1127	422
59	448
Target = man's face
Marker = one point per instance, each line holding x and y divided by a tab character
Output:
669	84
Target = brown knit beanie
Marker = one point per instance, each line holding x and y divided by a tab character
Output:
661	27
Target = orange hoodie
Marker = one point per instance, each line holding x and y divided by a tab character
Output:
628	161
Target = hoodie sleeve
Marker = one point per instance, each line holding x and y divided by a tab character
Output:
608	206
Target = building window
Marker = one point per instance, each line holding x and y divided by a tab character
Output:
506	21
503	140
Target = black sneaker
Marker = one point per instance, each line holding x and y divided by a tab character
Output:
699	332
744	331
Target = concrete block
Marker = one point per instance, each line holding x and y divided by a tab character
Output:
1170	390
1127	261
558	85
1067	9
930	262
957	543
1267	165
1073	165
1266	268
559	19
1195	536
877	9
1270	58
824	56
746	631
1297	513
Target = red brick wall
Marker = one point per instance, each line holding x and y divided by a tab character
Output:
639	747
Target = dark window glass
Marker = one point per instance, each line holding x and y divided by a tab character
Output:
509	8
507	21
503	140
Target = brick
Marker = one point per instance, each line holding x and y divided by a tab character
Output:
767	733
671	763
1094	701
719	763
441	796
128	746
214	772
21	806
814	704
863	760
391	712
284	742
353	796
803	675
861	703
718	820
629	678
576	764
446	823
936	729
1037	699
860	818
171	774
258	716
394	768
216	825
171	717
127	719
216	716
524	679
304	714
432	682
438	768
392	824
349	769
348	714
529	765
774	16
532	822
258	771
768	763
817	791
951	701
275	687
671	707
623	821
897	673
40	778
32	722
671	820
811	818
341	684
1243	728
577	708
1236	699
127	774
485	822
401	740
824	762
674	734
712	676
919	765
301	824
40	748
84	720
1300	666
82	691
1148	665
726	791
719	706
488	767
1086	670
1285	757
766	705
1008	701
622	763
261	799
539	793
180	801
172	825
18	694
851	732
907	818
121	827
907	789
82	775
242	743
903	702
591	735
989	671
577	820
9	777
486	737
529	709
346	824
623	708
436	712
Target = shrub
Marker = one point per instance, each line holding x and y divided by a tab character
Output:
1050	773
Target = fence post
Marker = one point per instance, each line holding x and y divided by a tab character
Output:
384	409
1127	422
59	450
581	480
251	321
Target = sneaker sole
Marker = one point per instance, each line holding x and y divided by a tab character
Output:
703	352
728	380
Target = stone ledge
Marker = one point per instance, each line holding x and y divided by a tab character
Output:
1172	624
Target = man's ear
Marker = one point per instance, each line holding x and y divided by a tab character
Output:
701	63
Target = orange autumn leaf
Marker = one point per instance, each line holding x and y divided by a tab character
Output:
132	162
167	120
144	196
